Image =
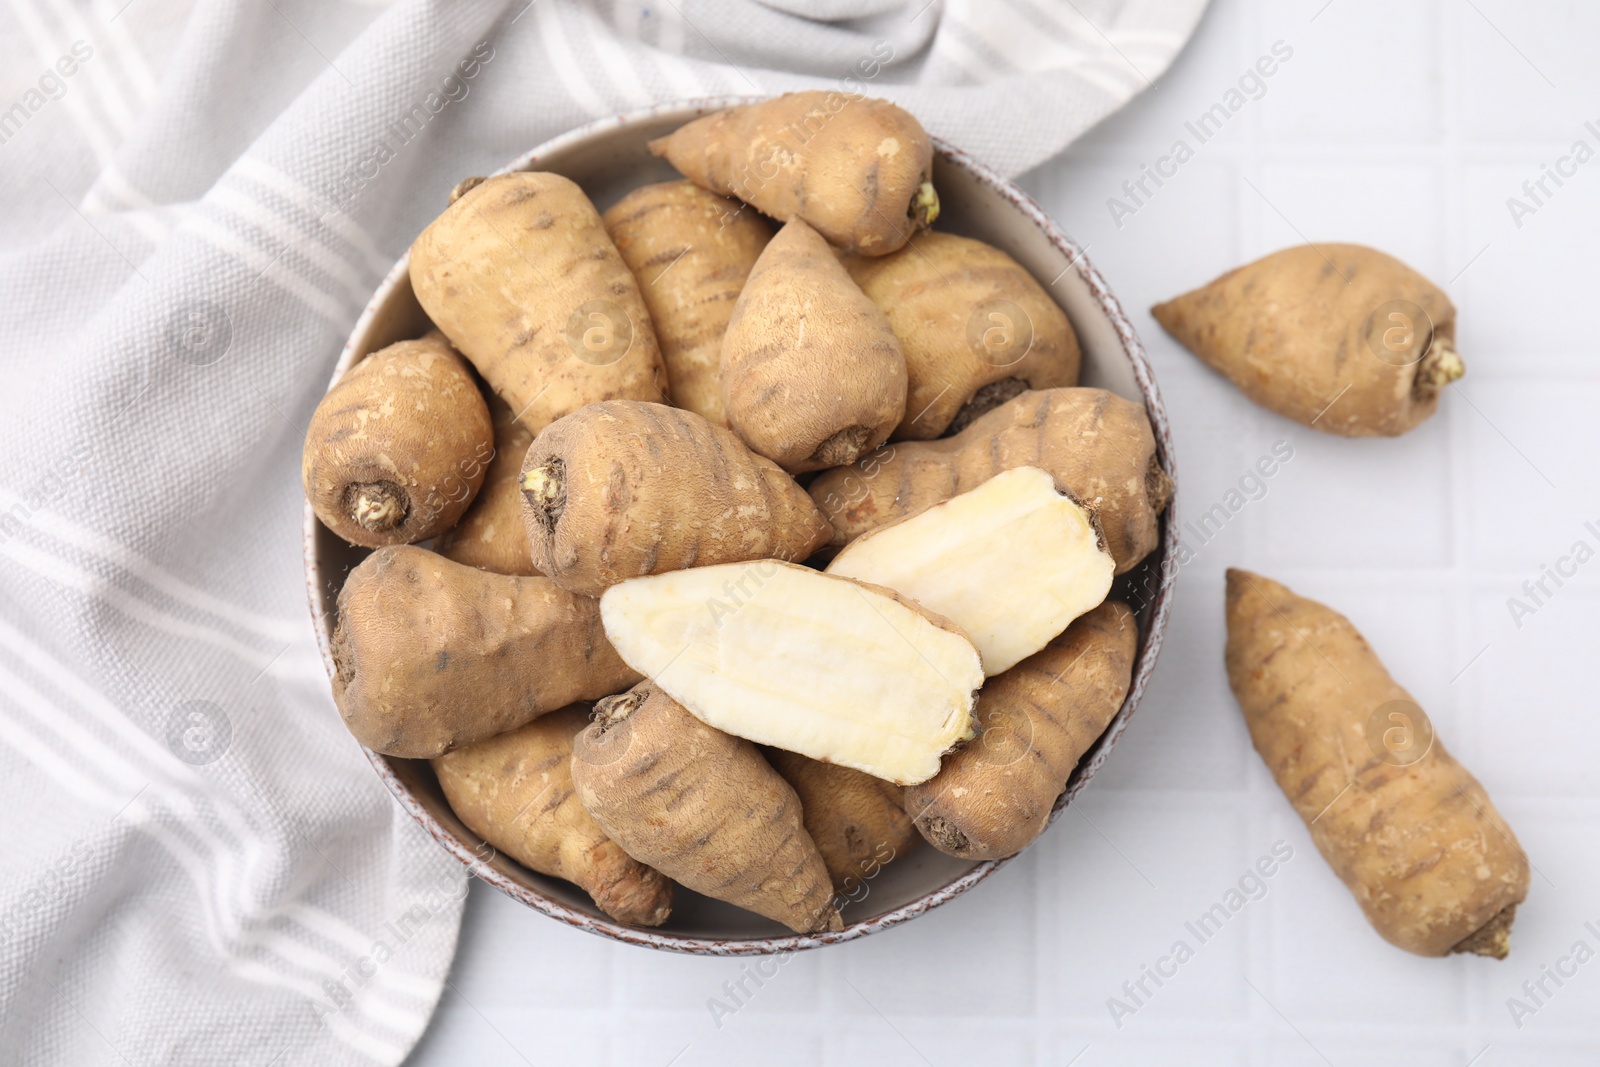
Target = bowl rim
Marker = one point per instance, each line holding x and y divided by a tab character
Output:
472	857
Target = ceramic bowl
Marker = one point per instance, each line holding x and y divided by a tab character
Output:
608	158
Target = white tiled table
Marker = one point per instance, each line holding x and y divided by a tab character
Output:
1405	124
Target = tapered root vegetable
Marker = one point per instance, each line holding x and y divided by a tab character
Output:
857	170
398	447
691	251
515	791
520	274
624	489
702	808
431	654
786	656
1407	828
812	375
1338	337
858	822
1097	446
975	326
993	797
1011	562
490	536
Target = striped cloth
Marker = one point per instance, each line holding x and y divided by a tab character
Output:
198	866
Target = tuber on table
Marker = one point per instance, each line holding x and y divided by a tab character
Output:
1341	338
1404	826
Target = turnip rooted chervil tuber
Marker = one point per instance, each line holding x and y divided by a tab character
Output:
432	654
812	375
520	275
1407	828
976	328
398	447
490	535
515	791
1341	338
993	797
691	251
701	807
858	822
627	488
1097	445
856	169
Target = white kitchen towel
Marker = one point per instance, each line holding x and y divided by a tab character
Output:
198	865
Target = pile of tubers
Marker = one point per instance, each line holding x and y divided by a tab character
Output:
713	545
749	533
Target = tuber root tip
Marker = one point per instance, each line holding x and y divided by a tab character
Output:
1492	939
1438	368
615	709
465	186
843	448
376	506
943	835
545	489
924	209
1157	487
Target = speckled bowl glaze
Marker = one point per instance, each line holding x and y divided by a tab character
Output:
608	158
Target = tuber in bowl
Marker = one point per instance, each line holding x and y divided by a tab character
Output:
608	158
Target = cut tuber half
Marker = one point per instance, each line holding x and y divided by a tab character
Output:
1011	562
789	657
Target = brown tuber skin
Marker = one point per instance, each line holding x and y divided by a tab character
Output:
691	251
857	170
431	655
953	303
993	797
624	489
1098	446
858	821
515	791
490	536
1408	829
398	447
521	276
702	808
1327	335
812	375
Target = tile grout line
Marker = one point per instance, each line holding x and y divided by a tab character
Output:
1447	33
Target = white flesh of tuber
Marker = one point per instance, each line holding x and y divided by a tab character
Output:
789	657
1011	562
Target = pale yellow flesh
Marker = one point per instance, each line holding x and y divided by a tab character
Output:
1011	562
792	658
